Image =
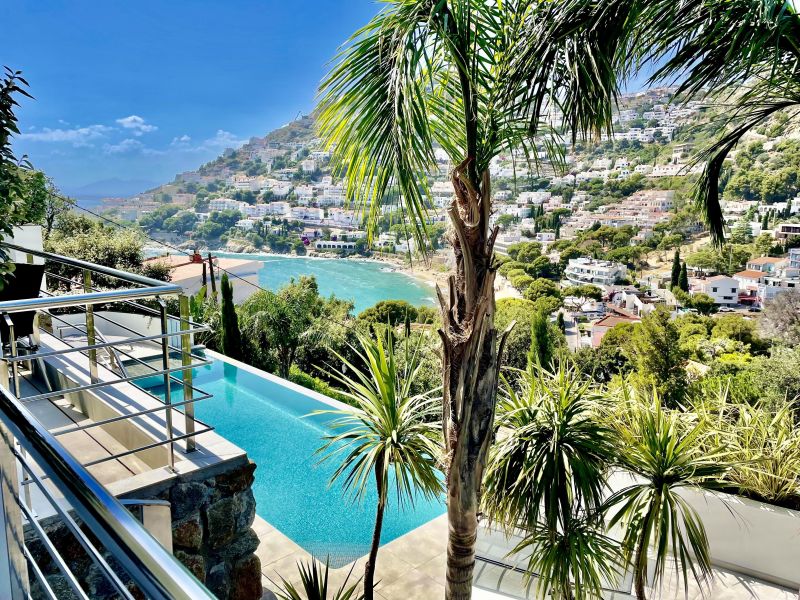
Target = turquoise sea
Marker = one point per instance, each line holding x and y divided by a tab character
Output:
362	281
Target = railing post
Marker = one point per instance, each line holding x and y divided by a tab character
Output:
90	331
12	346
13	566
186	359
162	306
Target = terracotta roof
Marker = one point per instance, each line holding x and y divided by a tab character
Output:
749	274
612	320
765	260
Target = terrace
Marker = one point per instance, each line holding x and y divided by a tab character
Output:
97	405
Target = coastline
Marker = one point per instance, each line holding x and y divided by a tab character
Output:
417	270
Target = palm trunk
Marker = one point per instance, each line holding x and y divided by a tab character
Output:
369	568
470	352
640	562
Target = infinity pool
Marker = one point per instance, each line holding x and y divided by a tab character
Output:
268	418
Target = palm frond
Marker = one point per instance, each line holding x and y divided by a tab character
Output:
373	110
665	453
389	433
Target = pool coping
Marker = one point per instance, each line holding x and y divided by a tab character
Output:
279	380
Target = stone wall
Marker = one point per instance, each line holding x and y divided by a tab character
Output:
212	513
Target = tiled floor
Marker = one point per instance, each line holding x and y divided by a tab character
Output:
412	567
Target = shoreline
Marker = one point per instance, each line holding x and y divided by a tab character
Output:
418	271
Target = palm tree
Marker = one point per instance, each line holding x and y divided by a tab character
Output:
664	455
546	477
389	434
427	73
742	55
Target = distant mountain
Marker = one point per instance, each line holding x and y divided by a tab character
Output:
111	187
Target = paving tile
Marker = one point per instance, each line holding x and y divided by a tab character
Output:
413	586
275	546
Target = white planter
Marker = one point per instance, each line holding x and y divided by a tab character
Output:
745	536
753	538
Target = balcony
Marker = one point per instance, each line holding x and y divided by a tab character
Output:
100	476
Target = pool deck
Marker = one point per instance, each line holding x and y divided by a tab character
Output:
412	567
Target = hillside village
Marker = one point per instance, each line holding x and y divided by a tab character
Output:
617	214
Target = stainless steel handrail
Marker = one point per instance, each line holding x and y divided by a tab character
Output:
84	264
148	287
156	572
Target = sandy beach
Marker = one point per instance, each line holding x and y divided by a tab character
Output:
245	267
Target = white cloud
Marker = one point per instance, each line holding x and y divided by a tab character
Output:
136	124
78	136
126	146
221	140
181	142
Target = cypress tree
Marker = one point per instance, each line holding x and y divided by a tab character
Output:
558	228
560	322
765	221
683	280
541	350
231	339
676	269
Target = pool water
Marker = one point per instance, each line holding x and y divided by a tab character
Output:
270	421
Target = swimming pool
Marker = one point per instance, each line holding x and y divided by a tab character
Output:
268	417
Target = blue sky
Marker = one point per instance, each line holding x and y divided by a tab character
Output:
143	90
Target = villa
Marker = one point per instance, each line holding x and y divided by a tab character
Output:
580	271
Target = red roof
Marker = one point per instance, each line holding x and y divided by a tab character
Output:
749	274
765	260
612	320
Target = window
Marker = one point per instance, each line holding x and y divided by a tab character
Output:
733	290
713	289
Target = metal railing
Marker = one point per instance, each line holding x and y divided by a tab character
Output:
145	564
42	485
51	302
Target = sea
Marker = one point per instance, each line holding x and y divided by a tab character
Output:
364	282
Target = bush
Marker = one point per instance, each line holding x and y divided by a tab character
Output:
316	384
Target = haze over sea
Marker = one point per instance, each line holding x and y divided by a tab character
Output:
362	281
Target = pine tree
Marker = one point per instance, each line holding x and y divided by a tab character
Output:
683	279
231	339
676	269
541	350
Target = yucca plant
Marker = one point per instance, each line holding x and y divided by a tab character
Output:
573	562
390	436
314	584
664	454
546	477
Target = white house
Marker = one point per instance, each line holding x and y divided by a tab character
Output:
334	245
580	271
723	289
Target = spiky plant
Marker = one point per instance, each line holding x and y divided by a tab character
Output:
664	454
390	436
546	476
314	584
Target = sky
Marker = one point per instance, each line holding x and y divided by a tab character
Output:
127	94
